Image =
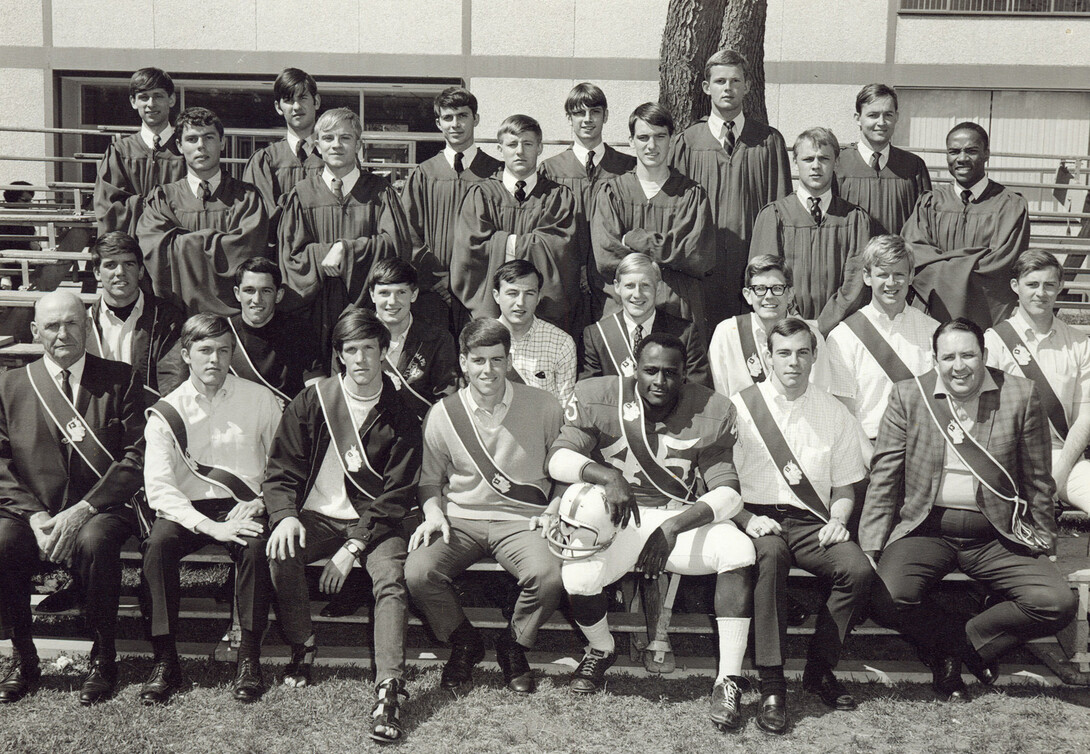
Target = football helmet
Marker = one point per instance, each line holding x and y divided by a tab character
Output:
582	527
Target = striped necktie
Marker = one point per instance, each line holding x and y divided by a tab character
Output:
337	185
728	137
876	162
815	209
520	191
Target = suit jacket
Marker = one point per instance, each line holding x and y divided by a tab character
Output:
156	348
906	470
393	443
33	475
428	362
596	361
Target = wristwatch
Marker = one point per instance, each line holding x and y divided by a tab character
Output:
353	548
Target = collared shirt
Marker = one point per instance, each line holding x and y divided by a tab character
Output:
865	152
149	136
347	182
328	496
468	155
486	419
977	188
195	183
1063	354
630	326
730	372
234	430
293	143
957	487
715	125
545	358
509	181
581	152
824	199
393	353
821	433
117	334
856	374
75	374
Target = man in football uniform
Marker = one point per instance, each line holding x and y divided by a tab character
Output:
661	448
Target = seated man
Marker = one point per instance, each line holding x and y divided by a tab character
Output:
348	506
196	231
675	440
481	486
737	353
608	344
798	456
272	349
421	361
70	456
960	479
819	235
1036	344
517	214
966	235
542	355
207	443
130	325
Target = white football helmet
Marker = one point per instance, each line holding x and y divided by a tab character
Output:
583	526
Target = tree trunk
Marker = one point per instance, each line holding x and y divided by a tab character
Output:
694	30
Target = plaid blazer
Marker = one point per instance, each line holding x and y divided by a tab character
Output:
906	470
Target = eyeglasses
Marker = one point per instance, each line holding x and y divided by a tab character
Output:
761	290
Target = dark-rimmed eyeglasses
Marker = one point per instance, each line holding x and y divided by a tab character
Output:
761	290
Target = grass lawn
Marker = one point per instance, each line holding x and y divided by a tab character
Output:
635	715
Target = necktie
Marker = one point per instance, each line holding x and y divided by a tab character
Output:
156	143
520	191
728	137
637	336
459	165
966	197
337	185
206	191
815	209
66	388
66	385
301	152
876	162
590	164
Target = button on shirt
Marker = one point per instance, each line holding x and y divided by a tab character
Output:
148	136
957	488
821	433
234	431
75	374
195	183
545	358
856	374
730	372
1063	354
116	334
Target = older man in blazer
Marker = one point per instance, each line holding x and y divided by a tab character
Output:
71	449
960	480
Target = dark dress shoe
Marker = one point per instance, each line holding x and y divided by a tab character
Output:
99	684
248	685
946	680
19	681
829	689
297	672
511	657
165	679
464	654
772	714
986	671
60	601
797	613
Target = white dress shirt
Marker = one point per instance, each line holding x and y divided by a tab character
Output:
485	419
715	125
149	136
824	198
977	188
117	334
865	152
393	353
630	326
581	152
347	182
195	183
468	155
509	181
730	372
293	143
75	374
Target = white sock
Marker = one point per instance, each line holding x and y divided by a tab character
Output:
599	636
733	636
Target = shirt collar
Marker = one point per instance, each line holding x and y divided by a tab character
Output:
137	309
75	371
195	183
468	155
941	390
526	335
877	314
149	136
715	125
1025	328
405	332
225	392
348	182
977	188
293	143
804	196
865	152
630	324
775	391
509	181
505	402
581	152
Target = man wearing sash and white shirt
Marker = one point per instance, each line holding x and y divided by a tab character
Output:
1035	344
207	444
661	448
342	475
798	456
483	490
272	349
70	454
737	350
608	343
960	479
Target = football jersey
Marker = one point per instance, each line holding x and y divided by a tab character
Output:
696	442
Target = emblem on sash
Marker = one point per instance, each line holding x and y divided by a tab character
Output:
756	369
416	367
957	434
353	461
792	473
1020	356
500	484
630	411
75	430
628	368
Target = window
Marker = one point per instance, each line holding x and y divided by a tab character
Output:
998	7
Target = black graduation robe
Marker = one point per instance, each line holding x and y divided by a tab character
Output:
274	170
127	173
888	197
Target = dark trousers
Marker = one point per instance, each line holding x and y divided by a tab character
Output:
385	564
1038	601
96	570
170	542
842	568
